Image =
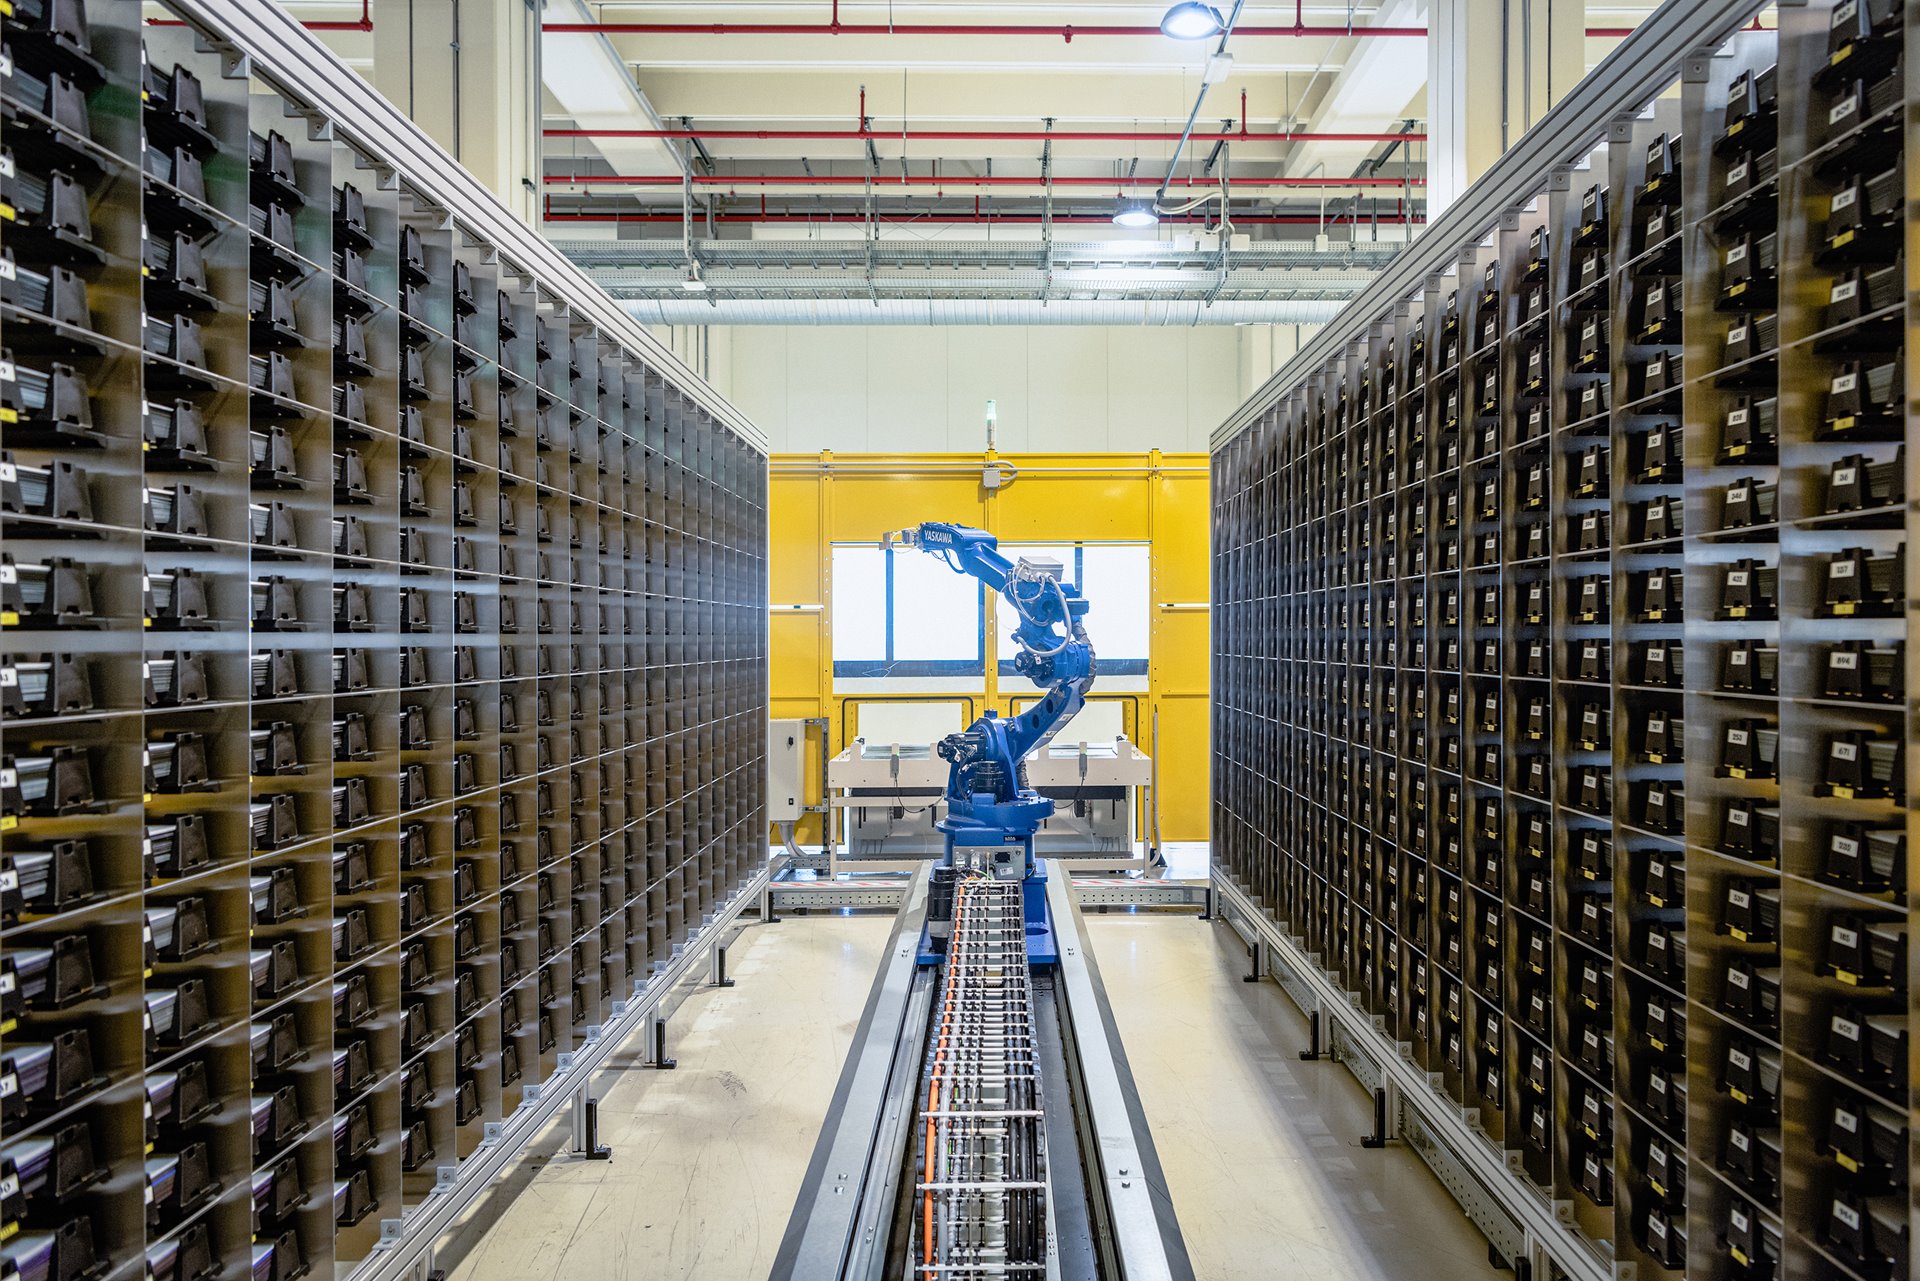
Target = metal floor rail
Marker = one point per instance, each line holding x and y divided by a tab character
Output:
1519	1221
407	1244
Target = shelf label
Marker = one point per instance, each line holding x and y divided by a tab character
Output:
1843	383
1843	108
1844	199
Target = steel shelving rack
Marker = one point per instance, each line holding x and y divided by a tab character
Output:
1561	619
382	660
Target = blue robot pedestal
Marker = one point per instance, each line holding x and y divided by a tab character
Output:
1041	947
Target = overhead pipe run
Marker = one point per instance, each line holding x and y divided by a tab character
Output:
924	218
954	180
978	135
1062	31
707	310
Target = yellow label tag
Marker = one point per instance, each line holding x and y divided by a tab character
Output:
1732	129
1844	422
1847	1162
1739	1255
1843	607
8	212
1661	1045
9	619
1590	1003
1840	55
1655	758
1738	934
7	1025
1656	614
8	1232
1591	1132
1736	450
1848	977
1844	793
1844	238
1734	771
1656	900
146	622
9	416
1736	611
1739	1096
1658	1187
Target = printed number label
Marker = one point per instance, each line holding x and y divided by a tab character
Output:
1847	1028
1844	475
1843	291
1738	418
1843	108
1844	662
1845	382
1737	254
1846	846
1845	937
1737	174
1845	1120
1845	199
1737	578
1840	569
1845	752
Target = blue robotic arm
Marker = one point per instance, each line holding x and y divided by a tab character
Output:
987	794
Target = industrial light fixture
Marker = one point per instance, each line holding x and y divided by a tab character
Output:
1136	213
693	284
1191	20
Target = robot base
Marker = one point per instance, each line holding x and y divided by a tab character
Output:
1005	856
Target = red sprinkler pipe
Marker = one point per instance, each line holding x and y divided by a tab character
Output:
365	22
942	180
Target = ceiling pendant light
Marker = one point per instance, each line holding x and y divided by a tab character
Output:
1135	213
1191	20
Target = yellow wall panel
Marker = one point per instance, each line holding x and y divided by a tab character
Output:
818	500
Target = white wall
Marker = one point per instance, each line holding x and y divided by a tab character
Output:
914	389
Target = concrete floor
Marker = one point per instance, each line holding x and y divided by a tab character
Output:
1260	1150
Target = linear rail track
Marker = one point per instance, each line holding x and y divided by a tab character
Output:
982	1179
